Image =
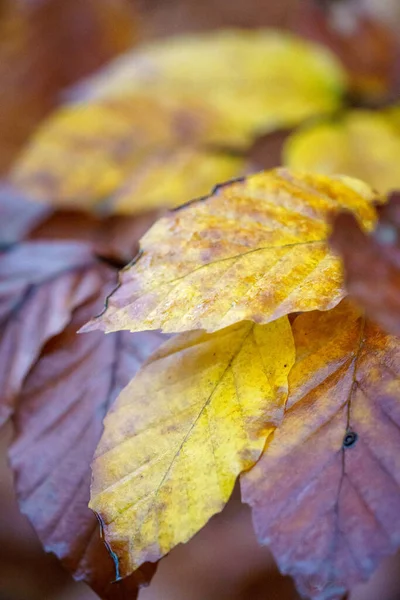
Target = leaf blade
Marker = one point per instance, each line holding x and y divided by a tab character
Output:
163	468
254	250
305	490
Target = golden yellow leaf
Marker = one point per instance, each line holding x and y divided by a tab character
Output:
362	144
325	494
179	97
255	250
196	415
169	178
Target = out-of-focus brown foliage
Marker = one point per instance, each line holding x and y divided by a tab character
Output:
372	263
45	45
368	48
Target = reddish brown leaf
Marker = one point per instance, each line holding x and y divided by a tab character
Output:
368	48
40	285
372	263
325	494
114	237
58	424
18	216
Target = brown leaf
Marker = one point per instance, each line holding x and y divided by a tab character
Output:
368	48
325	494
58	424
114	237
40	285
372	263
45	45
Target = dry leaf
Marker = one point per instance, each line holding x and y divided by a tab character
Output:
18	216
256	249
196	415
187	99
366	46
372	263
325	494
41	284
115	237
58	423
46	45
362	144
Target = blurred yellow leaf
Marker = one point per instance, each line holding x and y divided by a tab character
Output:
186	99
255	249
195	416
362	144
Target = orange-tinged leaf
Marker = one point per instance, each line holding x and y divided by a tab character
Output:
41	284
58	423
372	263
256	249
362	144
196	415
325	493
184	98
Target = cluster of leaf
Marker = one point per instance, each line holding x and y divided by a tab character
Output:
311	401
306	410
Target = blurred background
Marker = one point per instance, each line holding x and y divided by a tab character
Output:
45	47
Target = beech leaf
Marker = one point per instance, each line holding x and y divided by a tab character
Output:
153	128
372	263
325	493
18	216
362	144
256	249
40	285
58	423
196	415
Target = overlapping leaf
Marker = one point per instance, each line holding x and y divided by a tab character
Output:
41	284
196	415
61	407
372	263
325	494
361	144
186	99
256	249
18	216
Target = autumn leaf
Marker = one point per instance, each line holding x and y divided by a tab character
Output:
18	216
114	238
366	44
41	284
178	98
256	249
325	493
362	144
46	45
372	263
196	415
61	406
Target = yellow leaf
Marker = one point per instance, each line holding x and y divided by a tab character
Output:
169	178
255	250
362	144
184	95
325	494
196	415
